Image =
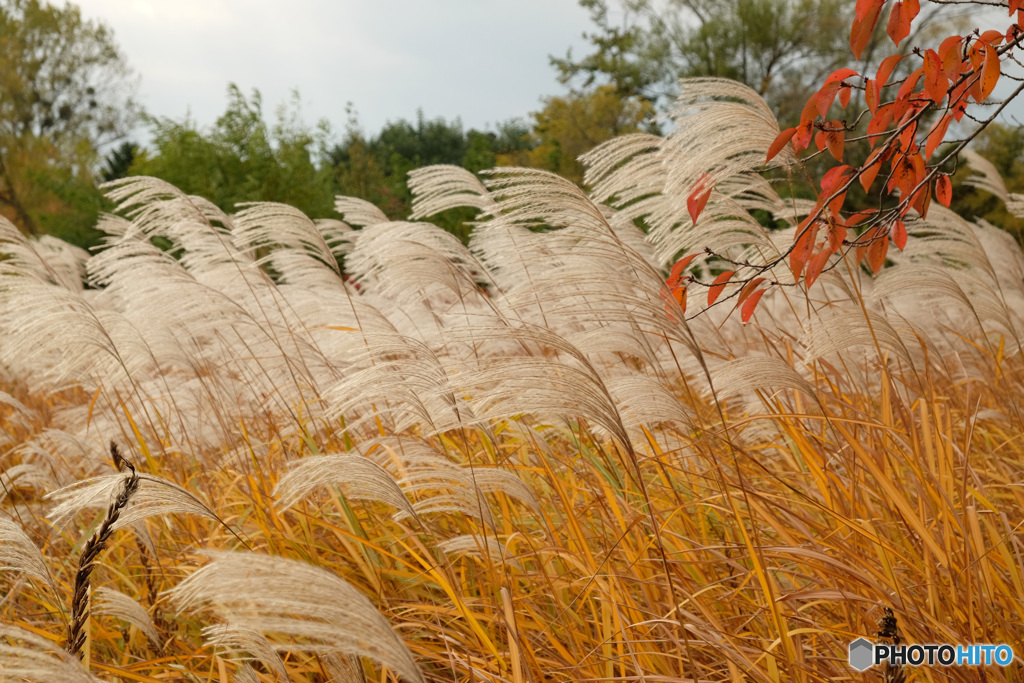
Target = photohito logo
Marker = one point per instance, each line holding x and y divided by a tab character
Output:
864	654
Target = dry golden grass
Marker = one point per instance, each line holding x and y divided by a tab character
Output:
533	483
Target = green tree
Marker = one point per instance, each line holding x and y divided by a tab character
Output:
781	48
65	91
570	126
376	168
242	158
1003	145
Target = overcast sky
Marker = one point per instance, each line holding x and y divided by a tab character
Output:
482	60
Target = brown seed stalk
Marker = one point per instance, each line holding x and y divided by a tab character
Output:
91	553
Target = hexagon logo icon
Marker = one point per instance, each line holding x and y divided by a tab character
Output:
861	654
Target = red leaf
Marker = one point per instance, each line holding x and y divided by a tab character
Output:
750	304
780	143
885	69
871	95
802	249
824	98
881	121
718	285
866	6
835	140
748	289
802	138
844	96
836	235
680	266
898	27
937	135
863	27
989	73
944	189
877	251
820	140
935	81
833	176
698	198
1016	5
899	234
840	75
871	168
816	265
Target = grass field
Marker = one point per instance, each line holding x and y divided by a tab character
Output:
517	461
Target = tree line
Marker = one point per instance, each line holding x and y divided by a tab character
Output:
67	106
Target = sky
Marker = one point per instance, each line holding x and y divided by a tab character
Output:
484	61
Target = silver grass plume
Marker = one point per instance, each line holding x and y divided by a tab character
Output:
37	660
113	603
442	187
240	642
359	212
18	553
308	608
359	477
152	495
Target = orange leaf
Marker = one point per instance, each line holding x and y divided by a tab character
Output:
1016	5
802	138
748	289
949	54
871	95
881	121
779	143
866	6
863	27
716	288
871	168
836	235
835	140
937	135
991	37
885	69
824	98
680	266
935	82
679	294
698	198
944	189
816	265
877	251
802	249
750	304
844	95
833	176
899	234
898	27
989	73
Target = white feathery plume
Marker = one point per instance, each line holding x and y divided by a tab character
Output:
155	496
25	474
308	608
236	641
358	212
477	546
113	603
442	187
843	330
359	477
758	372
246	674
37	660
986	177
262	224
154	205
44	258
18	553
